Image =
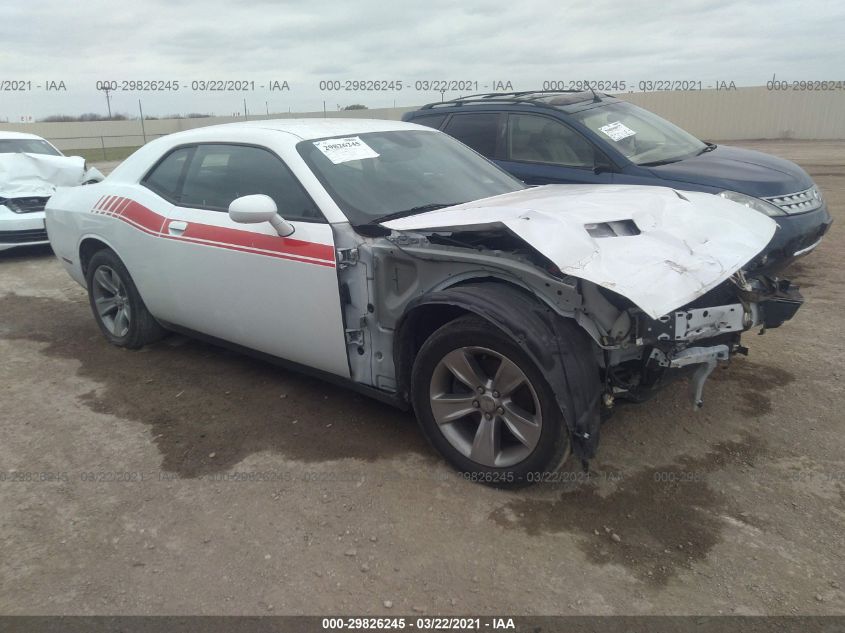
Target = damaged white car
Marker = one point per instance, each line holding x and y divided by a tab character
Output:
392	258
30	170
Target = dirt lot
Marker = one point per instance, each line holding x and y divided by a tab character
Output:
737	509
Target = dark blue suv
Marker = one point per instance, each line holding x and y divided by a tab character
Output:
587	137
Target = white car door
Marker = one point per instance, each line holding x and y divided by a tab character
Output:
244	283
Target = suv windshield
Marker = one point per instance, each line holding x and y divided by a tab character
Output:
644	138
26	145
388	174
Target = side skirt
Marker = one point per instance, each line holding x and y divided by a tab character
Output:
383	396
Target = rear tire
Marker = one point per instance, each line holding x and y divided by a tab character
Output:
485	406
117	305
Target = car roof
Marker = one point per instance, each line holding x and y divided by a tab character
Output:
9	135
304	129
279	134
560	100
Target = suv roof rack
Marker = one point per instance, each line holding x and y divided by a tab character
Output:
540	98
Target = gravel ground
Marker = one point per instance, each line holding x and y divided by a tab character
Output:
190	480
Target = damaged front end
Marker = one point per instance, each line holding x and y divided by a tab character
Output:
641	354
27	181
654	276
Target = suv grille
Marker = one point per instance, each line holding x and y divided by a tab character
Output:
799	202
26	205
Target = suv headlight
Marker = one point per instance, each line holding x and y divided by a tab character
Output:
753	203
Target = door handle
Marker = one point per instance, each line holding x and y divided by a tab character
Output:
177	227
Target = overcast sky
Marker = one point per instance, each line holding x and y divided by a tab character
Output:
525	42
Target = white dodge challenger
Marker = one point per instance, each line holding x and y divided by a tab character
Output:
392	258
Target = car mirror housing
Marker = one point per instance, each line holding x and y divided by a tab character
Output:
602	164
257	208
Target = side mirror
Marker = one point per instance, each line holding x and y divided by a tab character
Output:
259	208
602	164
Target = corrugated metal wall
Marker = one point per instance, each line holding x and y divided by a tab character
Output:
750	113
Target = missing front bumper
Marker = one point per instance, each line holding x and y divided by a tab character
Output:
781	306
706	358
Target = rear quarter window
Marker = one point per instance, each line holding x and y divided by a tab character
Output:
430	120
166	177
480	131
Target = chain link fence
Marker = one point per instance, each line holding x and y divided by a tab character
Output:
102	147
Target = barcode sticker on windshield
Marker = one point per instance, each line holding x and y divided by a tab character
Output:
617	131
342	150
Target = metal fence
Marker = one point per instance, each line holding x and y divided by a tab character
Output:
103	142
745	113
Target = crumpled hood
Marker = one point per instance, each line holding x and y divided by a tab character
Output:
37	175
685	246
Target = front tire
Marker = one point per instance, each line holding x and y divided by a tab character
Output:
486	407
117	305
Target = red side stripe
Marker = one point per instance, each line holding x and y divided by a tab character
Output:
113	204
147	220
241	249
247	239
141	215
121	204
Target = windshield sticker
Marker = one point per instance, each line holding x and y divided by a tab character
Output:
342	150
617	131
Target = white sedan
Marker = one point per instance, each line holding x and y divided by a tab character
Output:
30	170
393	259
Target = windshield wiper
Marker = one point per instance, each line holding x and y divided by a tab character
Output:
413	211
657	163
708	147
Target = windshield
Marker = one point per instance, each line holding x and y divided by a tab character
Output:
27	145
643	137
379	174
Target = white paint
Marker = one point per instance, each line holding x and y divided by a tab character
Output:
38	175
287	308
685	248
25	175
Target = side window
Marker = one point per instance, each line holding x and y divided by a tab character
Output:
538	139
220	173
166	177
430	120
479	131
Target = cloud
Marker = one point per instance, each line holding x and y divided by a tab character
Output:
525	43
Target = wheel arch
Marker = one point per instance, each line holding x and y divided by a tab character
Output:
88	246
558	345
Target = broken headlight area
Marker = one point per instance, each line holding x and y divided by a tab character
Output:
777	300
30	204
692	340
